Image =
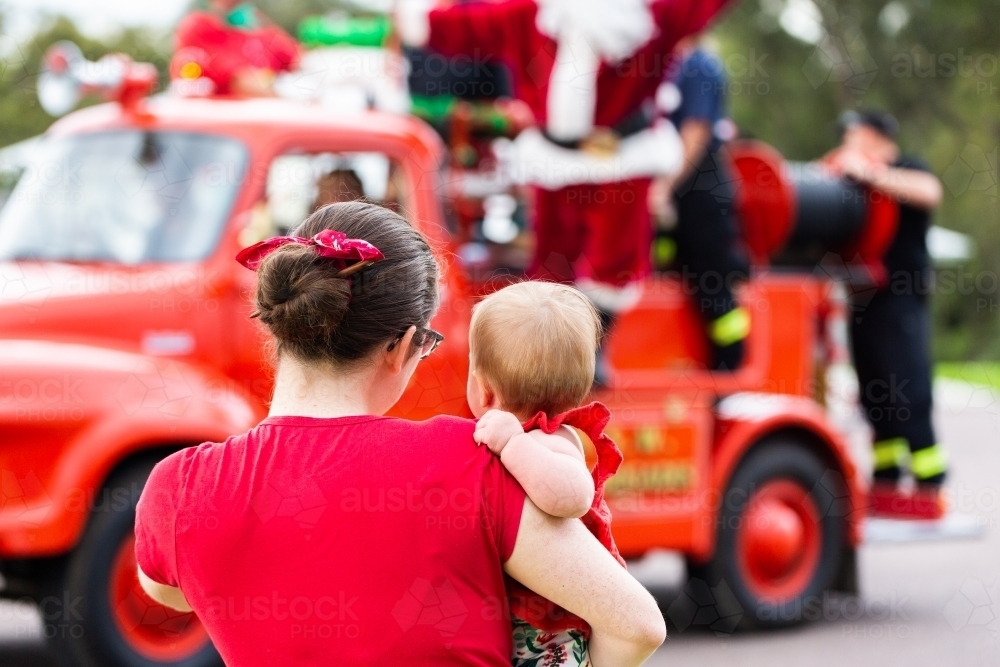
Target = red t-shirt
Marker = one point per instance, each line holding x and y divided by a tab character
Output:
359	540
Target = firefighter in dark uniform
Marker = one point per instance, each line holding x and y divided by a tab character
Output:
696	228
890	335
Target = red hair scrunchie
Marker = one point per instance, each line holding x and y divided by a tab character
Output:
351	255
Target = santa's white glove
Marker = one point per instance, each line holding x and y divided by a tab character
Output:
411	20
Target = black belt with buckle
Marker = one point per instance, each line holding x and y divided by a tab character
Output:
635	122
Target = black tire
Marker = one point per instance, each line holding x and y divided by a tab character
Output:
721	580
75	601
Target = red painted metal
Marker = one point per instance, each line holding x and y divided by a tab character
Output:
878	232
890	502
152	630
767	205
765	200
779	540
79	393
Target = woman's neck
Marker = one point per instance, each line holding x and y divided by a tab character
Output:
318	390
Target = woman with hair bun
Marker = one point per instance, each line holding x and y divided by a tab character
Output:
330	534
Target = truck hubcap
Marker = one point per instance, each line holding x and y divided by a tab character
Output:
779	540
152	630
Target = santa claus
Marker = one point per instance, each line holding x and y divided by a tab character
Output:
589	70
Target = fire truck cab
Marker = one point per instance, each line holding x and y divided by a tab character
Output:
125	335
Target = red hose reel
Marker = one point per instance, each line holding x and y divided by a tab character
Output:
793	213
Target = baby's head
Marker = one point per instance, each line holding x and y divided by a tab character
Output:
532	348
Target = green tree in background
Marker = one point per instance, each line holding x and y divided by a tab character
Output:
22	116
935	66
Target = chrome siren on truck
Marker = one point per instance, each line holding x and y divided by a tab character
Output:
67	77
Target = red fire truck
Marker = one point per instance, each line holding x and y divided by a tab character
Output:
124	335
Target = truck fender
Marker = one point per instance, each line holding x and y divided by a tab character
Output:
123	403
747	418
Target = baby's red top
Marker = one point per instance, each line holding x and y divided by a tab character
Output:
591	420
351	541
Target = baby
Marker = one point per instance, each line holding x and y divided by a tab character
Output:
532	352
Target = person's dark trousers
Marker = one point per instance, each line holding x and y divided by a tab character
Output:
712	258
602	374
890	337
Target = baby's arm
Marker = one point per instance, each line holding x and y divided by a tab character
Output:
551	468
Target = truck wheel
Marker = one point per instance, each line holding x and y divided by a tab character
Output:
94	611
780	536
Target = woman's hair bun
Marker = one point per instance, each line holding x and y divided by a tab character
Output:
301	298
317	315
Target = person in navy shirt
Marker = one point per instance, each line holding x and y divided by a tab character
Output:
697	233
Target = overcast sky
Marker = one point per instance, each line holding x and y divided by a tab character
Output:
95	17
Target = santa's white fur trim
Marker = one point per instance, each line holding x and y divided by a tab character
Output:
615	29
349	79
572	95
609	298
412	22
533	159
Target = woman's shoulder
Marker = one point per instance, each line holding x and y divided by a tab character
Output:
190	462
459	426
444	431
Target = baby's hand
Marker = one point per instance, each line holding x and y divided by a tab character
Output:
495	429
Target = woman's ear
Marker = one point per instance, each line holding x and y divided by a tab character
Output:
401	351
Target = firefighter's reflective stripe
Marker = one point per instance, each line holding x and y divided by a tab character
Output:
732	327
892	453
929	462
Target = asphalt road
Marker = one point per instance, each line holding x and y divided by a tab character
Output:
922	604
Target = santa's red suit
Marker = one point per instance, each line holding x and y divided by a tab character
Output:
588	69
207	47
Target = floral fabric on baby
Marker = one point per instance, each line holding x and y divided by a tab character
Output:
538	648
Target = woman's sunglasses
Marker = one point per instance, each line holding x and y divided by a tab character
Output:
426	339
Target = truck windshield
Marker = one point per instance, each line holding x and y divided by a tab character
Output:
126	197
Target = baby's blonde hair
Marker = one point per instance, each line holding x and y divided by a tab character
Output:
534	344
